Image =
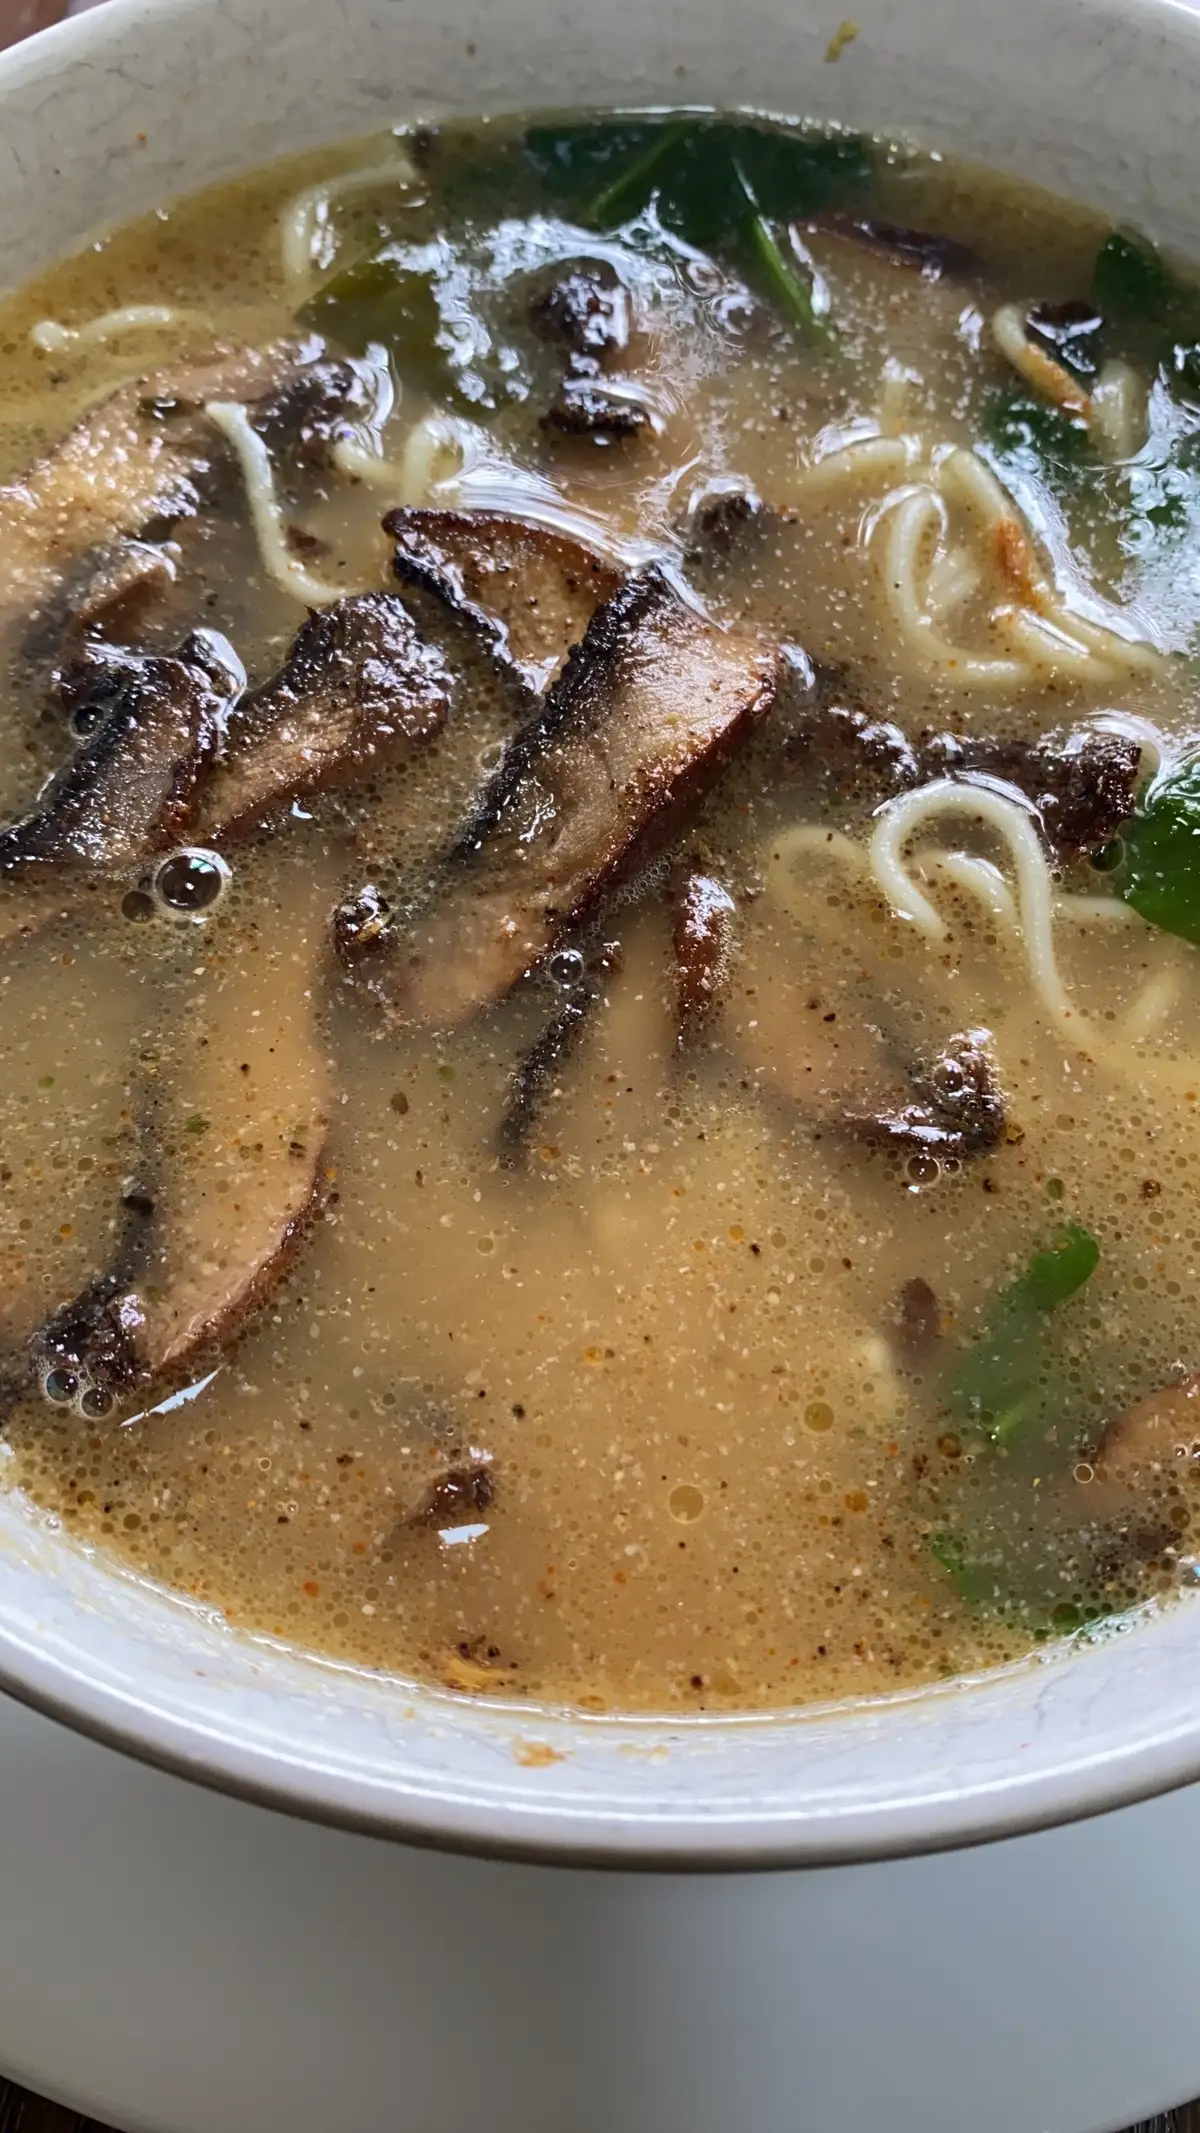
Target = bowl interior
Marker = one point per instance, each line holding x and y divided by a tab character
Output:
115	112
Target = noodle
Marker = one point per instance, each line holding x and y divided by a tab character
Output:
52	338
1035	908
307	238
269	524
1034	364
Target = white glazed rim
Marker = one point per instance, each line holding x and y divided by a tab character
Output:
1099	94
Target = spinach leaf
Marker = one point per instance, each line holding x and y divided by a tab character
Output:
997	1387
1159	869
776	269
419	303
379	300
1131	281
984	1583
689	167
1032	433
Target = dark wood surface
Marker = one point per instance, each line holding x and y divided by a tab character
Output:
22	2113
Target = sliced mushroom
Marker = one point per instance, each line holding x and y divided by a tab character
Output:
149	725
527	593
702	938
645	716
458	1494
959	1110
104	594
1131	1506
585	310
301	420
359	689
1083	784
923	252
144	457
587	405
844	753
916	1321
234	1169
537	1071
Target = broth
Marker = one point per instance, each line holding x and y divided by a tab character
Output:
662	1176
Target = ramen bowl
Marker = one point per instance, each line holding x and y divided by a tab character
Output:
112	114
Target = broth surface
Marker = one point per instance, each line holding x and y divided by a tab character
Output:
708	1381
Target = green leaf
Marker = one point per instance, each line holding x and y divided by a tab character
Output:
776	269
399	307
997	1384
1054	1276
975	1582
1131	281
985	1584
629	191
1021	428
686	165
1159	871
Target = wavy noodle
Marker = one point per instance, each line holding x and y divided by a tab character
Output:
1119	411
925	579
305	218
55	339
1035	911
270	526
905	527
1035	365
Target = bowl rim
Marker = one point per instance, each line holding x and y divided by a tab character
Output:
464	1817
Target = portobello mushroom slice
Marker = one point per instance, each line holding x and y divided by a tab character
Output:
923	252
149	725
234	1172
1083	784
646	714
959	1110
702	938
145	457
579	982
585	311
526	594
359	689
1132	1511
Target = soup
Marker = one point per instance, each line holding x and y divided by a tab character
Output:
600	1057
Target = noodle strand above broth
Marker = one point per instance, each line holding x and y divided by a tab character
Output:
600	1030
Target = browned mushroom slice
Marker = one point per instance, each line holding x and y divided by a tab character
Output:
959	1109
586	311
458	1494
143	456
537	1070
922	251
301	419
360	687
1132	1503
1083	784
529	594
916	1321
104	593
645	716
702	939
235	1170
149	726
588	405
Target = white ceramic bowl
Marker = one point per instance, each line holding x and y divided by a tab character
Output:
110	114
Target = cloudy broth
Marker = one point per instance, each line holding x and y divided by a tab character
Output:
660	1175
